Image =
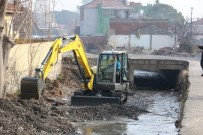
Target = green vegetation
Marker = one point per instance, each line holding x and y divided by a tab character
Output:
163	11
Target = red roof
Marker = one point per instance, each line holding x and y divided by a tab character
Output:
106	3
122	27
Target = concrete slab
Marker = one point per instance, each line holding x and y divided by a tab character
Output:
192	123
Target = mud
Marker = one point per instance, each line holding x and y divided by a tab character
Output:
52	114
30	117
35	117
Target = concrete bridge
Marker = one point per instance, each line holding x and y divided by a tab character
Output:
168	67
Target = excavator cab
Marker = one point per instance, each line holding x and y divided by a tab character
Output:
112	67
111	81
112	74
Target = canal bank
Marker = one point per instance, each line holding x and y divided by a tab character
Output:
163	111
192	122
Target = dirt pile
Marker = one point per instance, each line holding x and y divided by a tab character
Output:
132	50
30	117
136	50
68	81
169	51
40	117
166	51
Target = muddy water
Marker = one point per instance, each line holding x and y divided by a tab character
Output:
164	111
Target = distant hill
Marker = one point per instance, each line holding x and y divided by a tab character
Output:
66	17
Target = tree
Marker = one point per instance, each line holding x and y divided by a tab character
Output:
157	2
164	11
2	67
6	43
176	20
184	36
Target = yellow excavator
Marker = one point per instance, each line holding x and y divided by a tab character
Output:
105	83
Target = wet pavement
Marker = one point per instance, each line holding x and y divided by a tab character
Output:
164	111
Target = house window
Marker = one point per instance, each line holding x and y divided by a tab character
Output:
127	14
114	12
107	12
110	12
81	14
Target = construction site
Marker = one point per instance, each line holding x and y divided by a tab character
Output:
153	100
112	67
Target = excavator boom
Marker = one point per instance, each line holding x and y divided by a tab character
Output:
31	87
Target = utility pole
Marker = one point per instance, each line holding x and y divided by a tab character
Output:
49	15
191	25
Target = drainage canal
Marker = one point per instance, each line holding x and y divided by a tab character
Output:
163	79
162	93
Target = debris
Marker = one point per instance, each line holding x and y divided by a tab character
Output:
166	51
169	51
30	117
136	50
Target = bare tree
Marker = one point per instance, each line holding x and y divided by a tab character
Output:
2	67
6	40
183	32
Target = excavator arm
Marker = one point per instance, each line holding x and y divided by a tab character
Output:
31	87
80	56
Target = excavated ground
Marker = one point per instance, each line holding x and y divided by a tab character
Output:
52	114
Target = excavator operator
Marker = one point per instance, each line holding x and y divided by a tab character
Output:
118	68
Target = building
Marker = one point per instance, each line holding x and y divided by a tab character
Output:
124	25
12	8
197	32
95	16
148	33
8	29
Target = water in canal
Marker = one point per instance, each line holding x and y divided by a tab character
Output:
164	111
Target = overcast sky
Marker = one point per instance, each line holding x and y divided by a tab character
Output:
183	6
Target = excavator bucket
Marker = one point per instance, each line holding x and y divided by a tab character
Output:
31	87
78	100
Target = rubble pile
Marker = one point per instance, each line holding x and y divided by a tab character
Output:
166	51
132	50
136	50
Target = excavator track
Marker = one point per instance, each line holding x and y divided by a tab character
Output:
93	100
80	99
